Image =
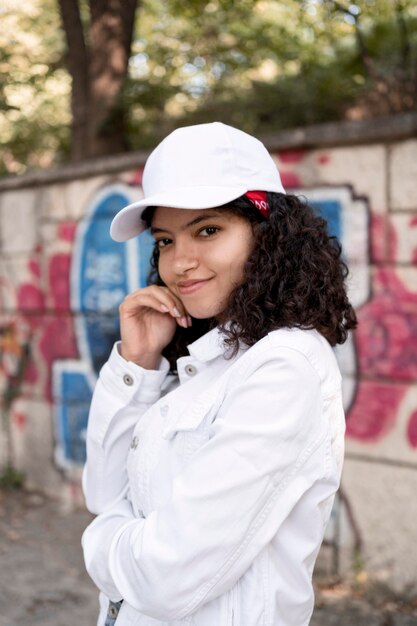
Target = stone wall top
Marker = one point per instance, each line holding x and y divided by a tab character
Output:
383	130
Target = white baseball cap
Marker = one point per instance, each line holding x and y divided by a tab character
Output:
199	167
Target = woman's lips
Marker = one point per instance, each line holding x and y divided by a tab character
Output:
189	286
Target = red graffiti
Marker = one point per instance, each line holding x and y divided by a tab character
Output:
412	430
20	420
30	298
136	180
57	342
58	279
386	341
323	159
66	231
53	335
31	374
387	331
34	268
384	240
291	156
290	180
374	412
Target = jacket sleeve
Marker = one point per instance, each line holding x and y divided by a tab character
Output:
124	391
265	452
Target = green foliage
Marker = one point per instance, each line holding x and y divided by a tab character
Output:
11	478
34	86
267	65
263	65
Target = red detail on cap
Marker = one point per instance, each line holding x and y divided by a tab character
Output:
259	199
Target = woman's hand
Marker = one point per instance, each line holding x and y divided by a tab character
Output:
148	319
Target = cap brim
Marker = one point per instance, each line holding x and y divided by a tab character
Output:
128	223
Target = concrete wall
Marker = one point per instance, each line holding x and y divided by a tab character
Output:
61	280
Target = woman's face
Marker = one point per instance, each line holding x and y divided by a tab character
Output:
201	255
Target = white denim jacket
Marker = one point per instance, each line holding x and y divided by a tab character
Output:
212	493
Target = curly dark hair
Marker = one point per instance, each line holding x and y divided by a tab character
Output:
294	277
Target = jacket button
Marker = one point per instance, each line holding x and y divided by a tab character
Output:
134	443
128	380
191	370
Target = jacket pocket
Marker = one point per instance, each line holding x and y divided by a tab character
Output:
189	426
191	417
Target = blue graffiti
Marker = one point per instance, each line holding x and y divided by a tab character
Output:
103	272
330	210
72	405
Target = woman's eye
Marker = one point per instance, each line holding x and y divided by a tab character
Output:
161	243
208	231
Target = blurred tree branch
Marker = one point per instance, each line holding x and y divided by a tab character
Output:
364	54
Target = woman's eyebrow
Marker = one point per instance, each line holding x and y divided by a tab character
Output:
200	218
155	229
196	220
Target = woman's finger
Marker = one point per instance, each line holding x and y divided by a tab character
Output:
142	300
167	299
158	300
178	304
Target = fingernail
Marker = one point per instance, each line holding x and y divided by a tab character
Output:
181	321
164	308
189	320
176	312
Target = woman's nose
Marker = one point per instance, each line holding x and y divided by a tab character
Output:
185	259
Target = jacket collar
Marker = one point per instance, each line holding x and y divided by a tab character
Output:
209	346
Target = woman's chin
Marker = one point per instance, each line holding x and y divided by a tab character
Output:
203	312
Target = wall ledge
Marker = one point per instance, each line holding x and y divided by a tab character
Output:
382	130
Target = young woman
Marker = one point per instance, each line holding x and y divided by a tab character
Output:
215	439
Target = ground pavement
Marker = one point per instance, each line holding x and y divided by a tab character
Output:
43	582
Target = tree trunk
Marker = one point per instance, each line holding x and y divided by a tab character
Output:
77	62
110	42
99	72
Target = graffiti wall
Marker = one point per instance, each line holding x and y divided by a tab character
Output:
62	279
